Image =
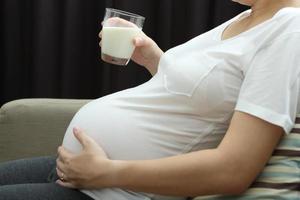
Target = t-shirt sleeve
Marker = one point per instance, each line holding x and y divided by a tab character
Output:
270	89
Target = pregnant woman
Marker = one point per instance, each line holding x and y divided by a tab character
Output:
206	123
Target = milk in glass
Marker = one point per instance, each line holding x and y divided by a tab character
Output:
117	43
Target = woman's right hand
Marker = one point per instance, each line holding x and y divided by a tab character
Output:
146	53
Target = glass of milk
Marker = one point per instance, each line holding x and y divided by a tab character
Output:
119	29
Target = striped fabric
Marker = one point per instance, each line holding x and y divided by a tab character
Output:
281	177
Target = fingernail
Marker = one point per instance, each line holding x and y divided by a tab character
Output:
75	129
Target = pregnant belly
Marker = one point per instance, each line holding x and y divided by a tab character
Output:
117	129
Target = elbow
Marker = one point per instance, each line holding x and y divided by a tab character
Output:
236	177
236	188
237	183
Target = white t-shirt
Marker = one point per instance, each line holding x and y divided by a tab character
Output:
188	104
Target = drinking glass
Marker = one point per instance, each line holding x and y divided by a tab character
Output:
119	29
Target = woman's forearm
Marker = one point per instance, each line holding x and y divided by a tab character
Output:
199	173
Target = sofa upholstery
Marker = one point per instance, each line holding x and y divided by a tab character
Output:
34	127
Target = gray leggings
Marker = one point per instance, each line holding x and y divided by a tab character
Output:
34	179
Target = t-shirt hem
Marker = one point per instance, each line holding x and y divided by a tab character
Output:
265	114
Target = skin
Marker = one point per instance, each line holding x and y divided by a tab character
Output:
228	169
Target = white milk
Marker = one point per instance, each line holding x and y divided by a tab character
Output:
118	41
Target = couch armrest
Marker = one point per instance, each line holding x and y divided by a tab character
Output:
34	127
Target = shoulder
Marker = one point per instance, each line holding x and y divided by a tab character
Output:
282	29
288	20
290	12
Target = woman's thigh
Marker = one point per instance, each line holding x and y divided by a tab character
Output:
33	170
40	191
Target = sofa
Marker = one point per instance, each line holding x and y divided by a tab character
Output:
35	127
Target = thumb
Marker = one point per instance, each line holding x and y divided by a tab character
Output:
139	41
83	139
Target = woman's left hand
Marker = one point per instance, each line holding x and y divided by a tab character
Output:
88	170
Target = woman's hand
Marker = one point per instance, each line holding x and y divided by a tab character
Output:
147	53
89	169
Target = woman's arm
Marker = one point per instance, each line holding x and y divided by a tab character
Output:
228	169
147	53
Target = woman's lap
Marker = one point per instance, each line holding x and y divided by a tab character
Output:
33	179
40	191
33	170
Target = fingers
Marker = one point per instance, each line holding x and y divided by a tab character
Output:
60	165
79	136
141	41
100	36
83	139
60	169
66	184
119	22
63	180
62	176
138	41
63	158
64	155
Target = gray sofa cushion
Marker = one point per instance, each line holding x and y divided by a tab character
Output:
34	127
